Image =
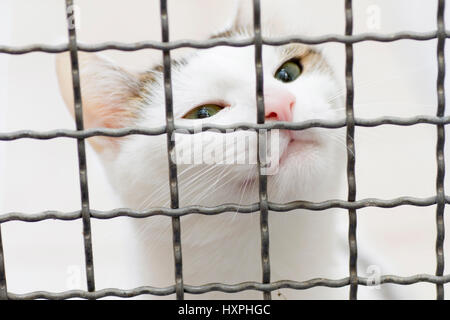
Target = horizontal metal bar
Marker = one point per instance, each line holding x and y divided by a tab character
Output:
314	123
231	288
232	207
205	44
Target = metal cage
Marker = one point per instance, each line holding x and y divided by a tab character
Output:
264	205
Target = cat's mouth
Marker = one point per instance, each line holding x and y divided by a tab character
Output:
292	150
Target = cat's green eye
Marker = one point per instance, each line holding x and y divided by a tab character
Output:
201	112
289	71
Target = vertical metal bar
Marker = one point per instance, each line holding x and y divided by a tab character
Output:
440	149
3	287
351	152
262	152
173	178
86	215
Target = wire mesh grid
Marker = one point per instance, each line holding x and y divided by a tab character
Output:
264	205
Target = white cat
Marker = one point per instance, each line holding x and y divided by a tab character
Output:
217	86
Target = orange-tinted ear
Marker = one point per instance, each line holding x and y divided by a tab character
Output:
241	16
106	93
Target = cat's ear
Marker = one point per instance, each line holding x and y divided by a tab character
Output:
106	94
242	16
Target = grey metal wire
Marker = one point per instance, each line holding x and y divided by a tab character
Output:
440	149
262	147
173	175
264	205
231	207
204	44
3	288
314	123
231	288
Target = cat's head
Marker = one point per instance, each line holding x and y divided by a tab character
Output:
214	86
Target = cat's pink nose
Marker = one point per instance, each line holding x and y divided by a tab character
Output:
279	104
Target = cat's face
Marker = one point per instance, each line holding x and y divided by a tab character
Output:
217	86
